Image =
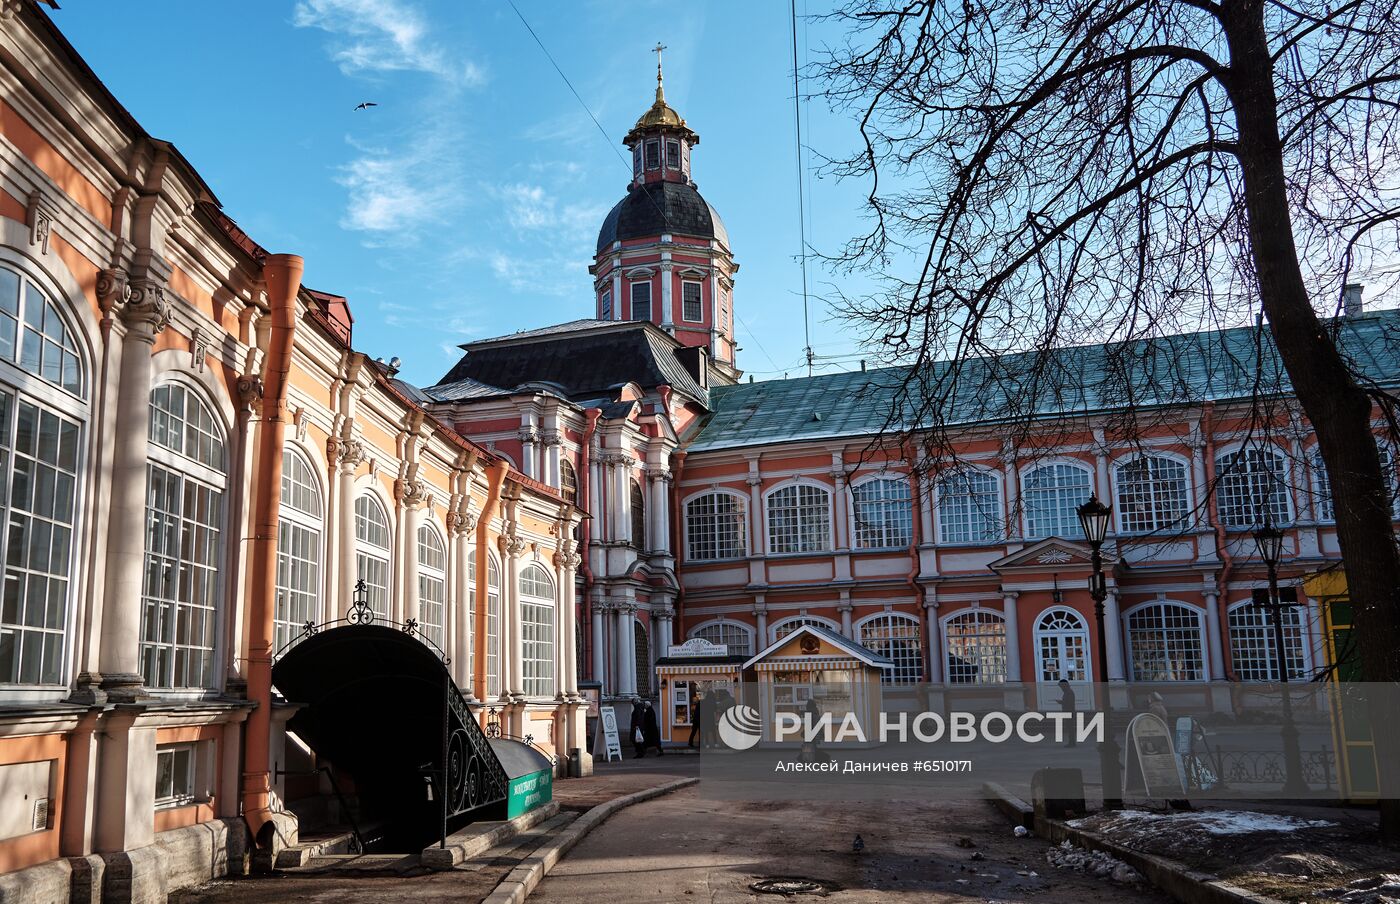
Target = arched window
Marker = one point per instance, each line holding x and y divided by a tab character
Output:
1061	646
568	481
1323	507
537	631
1151	494
738	637
641	651
493	613
372	552
185	484
432	586
799	519
1252	643
639	517
298	549
881	511
1052	495
1252	487
896	637
974	644
716	527
969	508
788	625
1166	643
43	409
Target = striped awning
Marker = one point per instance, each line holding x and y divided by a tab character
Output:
808	664
697	669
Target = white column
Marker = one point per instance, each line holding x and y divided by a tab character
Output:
1011	489
845	609
660	514
842	536
758	537
935	639
760	614
412	518
515	549
625	651
144	314
529	456
459	529
350	452
1013	636
1215	647
1113	635
599	619
666	318
617	295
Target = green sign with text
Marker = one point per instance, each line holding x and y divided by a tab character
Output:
528	792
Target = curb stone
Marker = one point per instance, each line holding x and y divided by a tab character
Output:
472	841
1171	876
522	880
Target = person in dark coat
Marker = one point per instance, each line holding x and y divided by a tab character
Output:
695	721
1067	704
651	730
636	730
709	716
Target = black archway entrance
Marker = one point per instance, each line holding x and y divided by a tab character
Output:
380	705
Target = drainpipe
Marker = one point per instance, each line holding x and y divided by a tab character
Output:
495	479
590	427
282	275
1222	548
915	538
677	469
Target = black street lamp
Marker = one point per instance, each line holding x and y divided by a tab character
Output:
1093	518
1270	542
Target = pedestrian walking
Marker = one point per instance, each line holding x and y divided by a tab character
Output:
651	730
635	728
1067	704
695	723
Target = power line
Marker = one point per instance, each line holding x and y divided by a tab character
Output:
754	337
801	195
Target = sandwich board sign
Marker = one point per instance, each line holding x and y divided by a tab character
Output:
1151	766
607	725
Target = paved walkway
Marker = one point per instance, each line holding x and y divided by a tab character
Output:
682	847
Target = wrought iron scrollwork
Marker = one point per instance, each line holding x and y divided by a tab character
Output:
410	626
360	613
493	723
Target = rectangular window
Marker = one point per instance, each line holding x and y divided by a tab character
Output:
637	160
673	155
298	579
605	305
690	302
175	774
537	648
641	301
653	155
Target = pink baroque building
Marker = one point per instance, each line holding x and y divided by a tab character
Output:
736	512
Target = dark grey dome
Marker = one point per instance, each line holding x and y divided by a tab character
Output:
675	208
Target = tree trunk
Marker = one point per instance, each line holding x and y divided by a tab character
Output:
1337	407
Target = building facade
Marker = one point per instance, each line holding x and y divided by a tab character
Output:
198	465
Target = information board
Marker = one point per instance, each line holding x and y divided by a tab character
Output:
608	726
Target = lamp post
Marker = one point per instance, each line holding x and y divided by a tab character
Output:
1270	542
1093	518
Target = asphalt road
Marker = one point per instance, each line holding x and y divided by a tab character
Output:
683	847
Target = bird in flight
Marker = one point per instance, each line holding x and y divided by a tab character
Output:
366	105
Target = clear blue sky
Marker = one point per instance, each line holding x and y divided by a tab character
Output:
467	203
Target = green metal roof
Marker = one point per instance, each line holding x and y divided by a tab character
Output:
1216	365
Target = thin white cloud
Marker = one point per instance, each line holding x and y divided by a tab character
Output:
383	36
530	208
388	194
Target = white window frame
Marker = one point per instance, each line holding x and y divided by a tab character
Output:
666	151
741	520
907	669
1320	483
1235	517
161	656
997	520
539	621
725	626
632	299
1081	633
605	308
432	576
981	616
805	545
492	641
184	788
25	386
1129	647
660	155
368	553
797	621
863	537
1068	527
308	530
1160	520
1259	636
699	301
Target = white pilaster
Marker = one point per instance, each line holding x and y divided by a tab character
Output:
1013	635
1113	635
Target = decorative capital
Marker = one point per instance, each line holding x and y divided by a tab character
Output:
516	546
552	438
413	493
659	473
459	523
250	390
753	480
569	561
112	288
347	453
528	434
146	311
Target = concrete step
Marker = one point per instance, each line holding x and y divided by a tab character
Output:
380	864
512	851
308	848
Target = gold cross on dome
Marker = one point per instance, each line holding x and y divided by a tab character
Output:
658	48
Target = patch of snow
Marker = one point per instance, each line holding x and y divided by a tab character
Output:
1213	822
